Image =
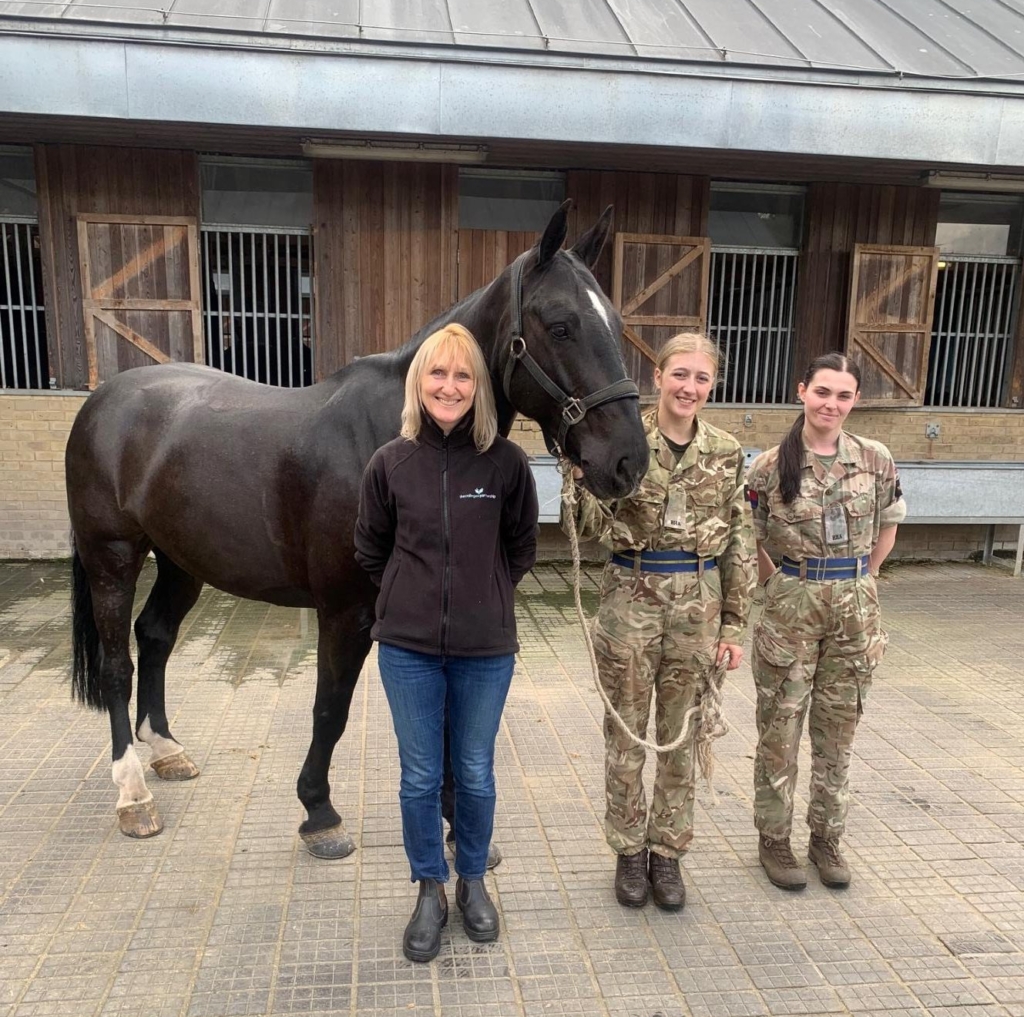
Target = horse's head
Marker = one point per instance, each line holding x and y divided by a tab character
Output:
562	363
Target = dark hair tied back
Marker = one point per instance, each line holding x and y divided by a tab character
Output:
791	449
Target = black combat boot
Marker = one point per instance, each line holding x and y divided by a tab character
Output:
667	883
422	939
631	879
479	915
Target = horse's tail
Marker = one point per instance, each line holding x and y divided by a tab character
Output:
85	638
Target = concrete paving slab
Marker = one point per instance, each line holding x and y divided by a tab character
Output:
225	913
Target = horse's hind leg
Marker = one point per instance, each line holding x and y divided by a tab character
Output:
173	595
113	569
344	641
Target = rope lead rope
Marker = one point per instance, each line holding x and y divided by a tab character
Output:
708	716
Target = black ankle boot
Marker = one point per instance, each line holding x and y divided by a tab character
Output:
479	915
422	939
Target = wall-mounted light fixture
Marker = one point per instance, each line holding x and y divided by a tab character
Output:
1006	184
393	151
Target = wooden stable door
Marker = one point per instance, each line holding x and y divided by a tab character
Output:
660	287
140	292
889	332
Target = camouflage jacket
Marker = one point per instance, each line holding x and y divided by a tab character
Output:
707	495
863	481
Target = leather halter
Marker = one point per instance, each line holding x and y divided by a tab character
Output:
573	409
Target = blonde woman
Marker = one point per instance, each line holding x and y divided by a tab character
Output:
447	527
675	595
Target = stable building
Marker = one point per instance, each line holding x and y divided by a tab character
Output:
274	189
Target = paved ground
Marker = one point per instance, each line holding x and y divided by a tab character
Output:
225	913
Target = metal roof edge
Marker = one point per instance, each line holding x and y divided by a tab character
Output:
298	44
362	95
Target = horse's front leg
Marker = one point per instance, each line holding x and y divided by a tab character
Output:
344	641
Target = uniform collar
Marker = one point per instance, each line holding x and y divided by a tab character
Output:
847	452
701	438
847	455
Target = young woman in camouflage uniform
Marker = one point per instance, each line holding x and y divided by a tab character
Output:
828	502
674	600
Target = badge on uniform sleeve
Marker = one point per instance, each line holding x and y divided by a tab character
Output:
675	510
836	531
752	497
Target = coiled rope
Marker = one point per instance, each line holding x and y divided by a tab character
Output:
708	716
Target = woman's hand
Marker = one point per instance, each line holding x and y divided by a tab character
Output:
735	655
577	473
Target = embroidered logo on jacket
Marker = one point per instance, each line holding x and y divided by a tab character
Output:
478	493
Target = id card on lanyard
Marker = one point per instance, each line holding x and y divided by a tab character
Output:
675	507
836	530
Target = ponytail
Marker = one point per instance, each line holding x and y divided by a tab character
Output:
791	448
791	461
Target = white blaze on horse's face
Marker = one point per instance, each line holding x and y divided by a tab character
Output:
595	299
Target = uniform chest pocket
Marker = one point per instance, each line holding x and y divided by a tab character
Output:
799	512
861	505
705	497
641	513
861	511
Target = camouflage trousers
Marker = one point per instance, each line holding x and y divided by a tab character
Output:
655	634
816	645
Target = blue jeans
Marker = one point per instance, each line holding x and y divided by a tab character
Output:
418	685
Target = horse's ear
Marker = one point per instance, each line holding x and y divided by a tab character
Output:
589	246
554	234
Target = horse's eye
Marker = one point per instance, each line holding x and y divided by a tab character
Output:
560	331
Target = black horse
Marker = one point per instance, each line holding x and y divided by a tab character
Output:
254	490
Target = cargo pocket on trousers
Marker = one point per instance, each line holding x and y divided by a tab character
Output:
618	665
772	663
865	664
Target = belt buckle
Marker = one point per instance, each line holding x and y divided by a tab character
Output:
820	570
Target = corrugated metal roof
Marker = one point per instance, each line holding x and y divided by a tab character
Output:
951	39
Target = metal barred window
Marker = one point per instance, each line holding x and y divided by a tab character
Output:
257	303
24	363
750	314
972	335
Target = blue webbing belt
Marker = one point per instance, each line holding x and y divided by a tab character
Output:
822	570
663	561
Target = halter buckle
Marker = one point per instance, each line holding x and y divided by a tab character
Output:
517	348
573	412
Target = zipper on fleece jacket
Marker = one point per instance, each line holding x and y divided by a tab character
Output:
446	529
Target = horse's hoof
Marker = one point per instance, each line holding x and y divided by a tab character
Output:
333	842
176	767
141	820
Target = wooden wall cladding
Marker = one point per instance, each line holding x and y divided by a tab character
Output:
838	217
384	254
653	203
484	254
76	179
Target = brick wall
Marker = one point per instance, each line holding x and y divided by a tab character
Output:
33	508
964	435
34	429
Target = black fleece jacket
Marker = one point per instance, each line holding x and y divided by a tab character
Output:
447	532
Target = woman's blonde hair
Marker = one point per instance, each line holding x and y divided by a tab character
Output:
449	345
689	342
